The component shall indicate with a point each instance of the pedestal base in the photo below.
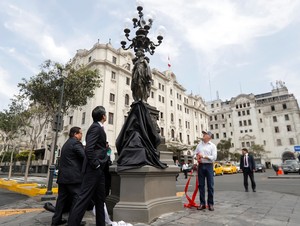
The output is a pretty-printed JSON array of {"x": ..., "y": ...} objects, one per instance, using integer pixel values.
[{"x": 146, "y": 193}]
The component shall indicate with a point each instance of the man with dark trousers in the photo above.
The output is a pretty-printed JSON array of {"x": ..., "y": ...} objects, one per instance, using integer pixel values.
[
  {"x": 247, "y": 165},
  {"x": 93, "y": 185},
  {"x": 206, "y": 154},
  {"x": 69, "y": 174}
]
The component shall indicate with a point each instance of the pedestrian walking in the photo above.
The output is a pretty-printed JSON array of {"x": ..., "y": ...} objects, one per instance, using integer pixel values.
[
  {"x": 247, "y": 165},
  {"x": 185, "y": 168},
  {"x": 206, "y": 154},
  {"x": 93, "y": 185},
  {"x": 69, "y": 174}
]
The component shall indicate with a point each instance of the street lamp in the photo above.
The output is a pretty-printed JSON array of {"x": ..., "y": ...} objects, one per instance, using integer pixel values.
[
  {"x": 58, "y": 122},
  {"x": 141, "y": 74}
]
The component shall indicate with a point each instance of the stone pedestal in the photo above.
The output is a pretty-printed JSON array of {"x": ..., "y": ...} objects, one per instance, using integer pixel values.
[{"x": 146, "y": 193}]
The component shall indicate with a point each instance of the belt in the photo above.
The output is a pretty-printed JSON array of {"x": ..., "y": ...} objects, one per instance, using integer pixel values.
[{"x": 205, "y": 163}]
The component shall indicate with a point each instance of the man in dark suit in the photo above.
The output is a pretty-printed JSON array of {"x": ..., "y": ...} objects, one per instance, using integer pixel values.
[
  {"x": 69, "y": 174},
  {"x": 247, "y": 165},
  {"x": 93, "y": 185}
]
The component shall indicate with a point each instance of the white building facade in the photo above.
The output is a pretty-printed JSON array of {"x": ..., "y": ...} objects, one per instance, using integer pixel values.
[
  {"x": 182, "y": 117},
  {"x": 269, "y": 119}
]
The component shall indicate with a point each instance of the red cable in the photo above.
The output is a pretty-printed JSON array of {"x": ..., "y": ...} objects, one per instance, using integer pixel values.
[{"x": 191, "y": 200}]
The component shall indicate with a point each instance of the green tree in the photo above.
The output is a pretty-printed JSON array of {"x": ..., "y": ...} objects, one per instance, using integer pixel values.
[
  {"x": 45, "y": 89},
  {"x": 258, "y": 150},
  {"x": 11, "y": 122},
  {"x": 223, "y": 146},
  {"x": 23, "y": 156}
]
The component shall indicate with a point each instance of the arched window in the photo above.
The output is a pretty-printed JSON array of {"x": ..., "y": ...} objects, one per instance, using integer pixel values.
[
  {"x": 172, "y": 133},
  {"x": 172, "y": 117},
  {"x": 126, "y": 99}
]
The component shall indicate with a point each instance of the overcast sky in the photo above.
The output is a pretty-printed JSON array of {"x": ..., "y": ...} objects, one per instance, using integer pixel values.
[{"x": 223, "y": 46}]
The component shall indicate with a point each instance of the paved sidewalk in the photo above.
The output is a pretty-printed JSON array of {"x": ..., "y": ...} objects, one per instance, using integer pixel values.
[{"x": 231, "y": 209}]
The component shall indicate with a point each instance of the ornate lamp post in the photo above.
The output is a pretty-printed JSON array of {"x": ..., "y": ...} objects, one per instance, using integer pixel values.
[
  {"x": 139, "y": 171},
  {"x": 141, "y": 75}
]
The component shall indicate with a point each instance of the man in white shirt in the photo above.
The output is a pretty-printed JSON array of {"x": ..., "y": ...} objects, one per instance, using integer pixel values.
[
  {"x": 185, "y": 167},
  {"x": 206, "y": 154}
]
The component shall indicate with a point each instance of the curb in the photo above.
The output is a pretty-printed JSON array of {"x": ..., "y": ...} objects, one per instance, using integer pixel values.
[
  {"x": 284, "y": 177},
  {"x": 29, "y": 189}
]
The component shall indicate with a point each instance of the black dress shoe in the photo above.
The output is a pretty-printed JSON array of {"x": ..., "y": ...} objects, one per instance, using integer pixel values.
[
  {"x": 49, "y": 206},
  {"x": 201, "y": 207},
  {"x": 246, "y": 190},
  {"x": 211, "y": 208},
  {"x": 62, "y": 221}
]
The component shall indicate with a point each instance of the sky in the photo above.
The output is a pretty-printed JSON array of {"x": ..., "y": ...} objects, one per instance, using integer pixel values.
[{"x": 216, "y": 48}]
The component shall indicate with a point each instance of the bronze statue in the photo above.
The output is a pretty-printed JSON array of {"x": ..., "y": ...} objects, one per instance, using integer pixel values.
[{"x": 141, "y": 77}]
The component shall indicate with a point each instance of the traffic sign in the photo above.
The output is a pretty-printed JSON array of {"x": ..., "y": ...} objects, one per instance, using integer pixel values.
[{"x": 297, "y": 148}]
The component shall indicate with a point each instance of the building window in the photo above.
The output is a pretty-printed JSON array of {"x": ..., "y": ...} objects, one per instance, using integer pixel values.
[
  {"x": 274, "y": 119},
  {"x": 244, "y": 113},
  {"x": 161, "y": 115},
  {"x": 248, "y": 112},
  {"x": 90, "y": 59},
  {"x": 239, "y": 113},
  {"x": 262, "y": 130},
  {"x": 114, "y": 60},
  {"x": 248, "y": 144},
  {"x": 179, "y": 121},
  {"x": 272, "y": 108},
  {"x": 259, "y": 111},
  {"x": 278, "y": 142},
  {"x": 162, "y": 131},
  {"x": 180, "y": 137},
  {"x": 224, "y": 135},
  {"x": 288, "y": 128},
  {"x": 217, "y": 136},
  {"x": 241, "y": 123},
  {"x": 163, "y": 99},
  {"x": 245, "y": 123},
  {"x": 110, "y": 118},
  {"x": 260, "y": 120},
  {"x": 112, "y": 97},
  {"x": 286, "y": 117},
  {"x": 223, "y": 125},
  {"x": 152, "y": 94},
  {"x": 243, "y": 144},
  {"x": 216, "y": 126},
  {"x": 284, "y": 106},
  {"x": 211, "y": 127},
  {"x": 127, "y": 81},
  {"x": 249, "y": 122},
  {"x": 70, "y": 120},
  {"x": 188, "y": 139},
  {"x": 172, "y": 117},
  {"x": 172, "y": 133},
  {"x": 265, "y": 143},
  {"x": 276, "y": 129},
  {"x": 126, "y": 99},
  {"x": 128, "y": 66},
  {"x": 171, "y": 92},
  {"x": 83, "y": 118},
  {"x": 113, "y": 75},
  {"x": 292, "y": 142},
  {"x": 171, "y": 103}
]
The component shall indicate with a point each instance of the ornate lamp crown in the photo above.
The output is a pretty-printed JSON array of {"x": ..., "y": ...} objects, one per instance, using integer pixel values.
[{"x": 141, "y": 42}]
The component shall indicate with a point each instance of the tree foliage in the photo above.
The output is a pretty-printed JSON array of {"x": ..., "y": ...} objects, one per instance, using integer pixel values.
[
  {"x": 223, "y": 146},
  {"x": 23, "y": 156},
  {"x": 258, "y": 150},
  {"x": 45, "y": 88}
]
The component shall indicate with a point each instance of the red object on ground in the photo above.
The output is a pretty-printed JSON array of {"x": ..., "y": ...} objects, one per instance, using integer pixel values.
[{"x": 191, "y": 200}]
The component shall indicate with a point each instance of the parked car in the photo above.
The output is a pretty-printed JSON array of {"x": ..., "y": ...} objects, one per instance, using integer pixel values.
[
  {"x": 229, "y": 168},
  {"x": 290, "y": 166},
  {"x": 218, "y": 169},
  {"x": 260, "y": 167},
  {"x": 237, "y": 165}
]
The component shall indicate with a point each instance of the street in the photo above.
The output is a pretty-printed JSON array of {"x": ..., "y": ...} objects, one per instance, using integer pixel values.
[{"x": 234, "y": 182}]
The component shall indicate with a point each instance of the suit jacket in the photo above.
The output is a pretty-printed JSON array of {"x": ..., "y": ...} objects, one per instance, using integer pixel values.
[
  {"x": 70, "y": 163},
  {"x": 251, "y": 162},
  {"x": 95, "y": 149}
]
